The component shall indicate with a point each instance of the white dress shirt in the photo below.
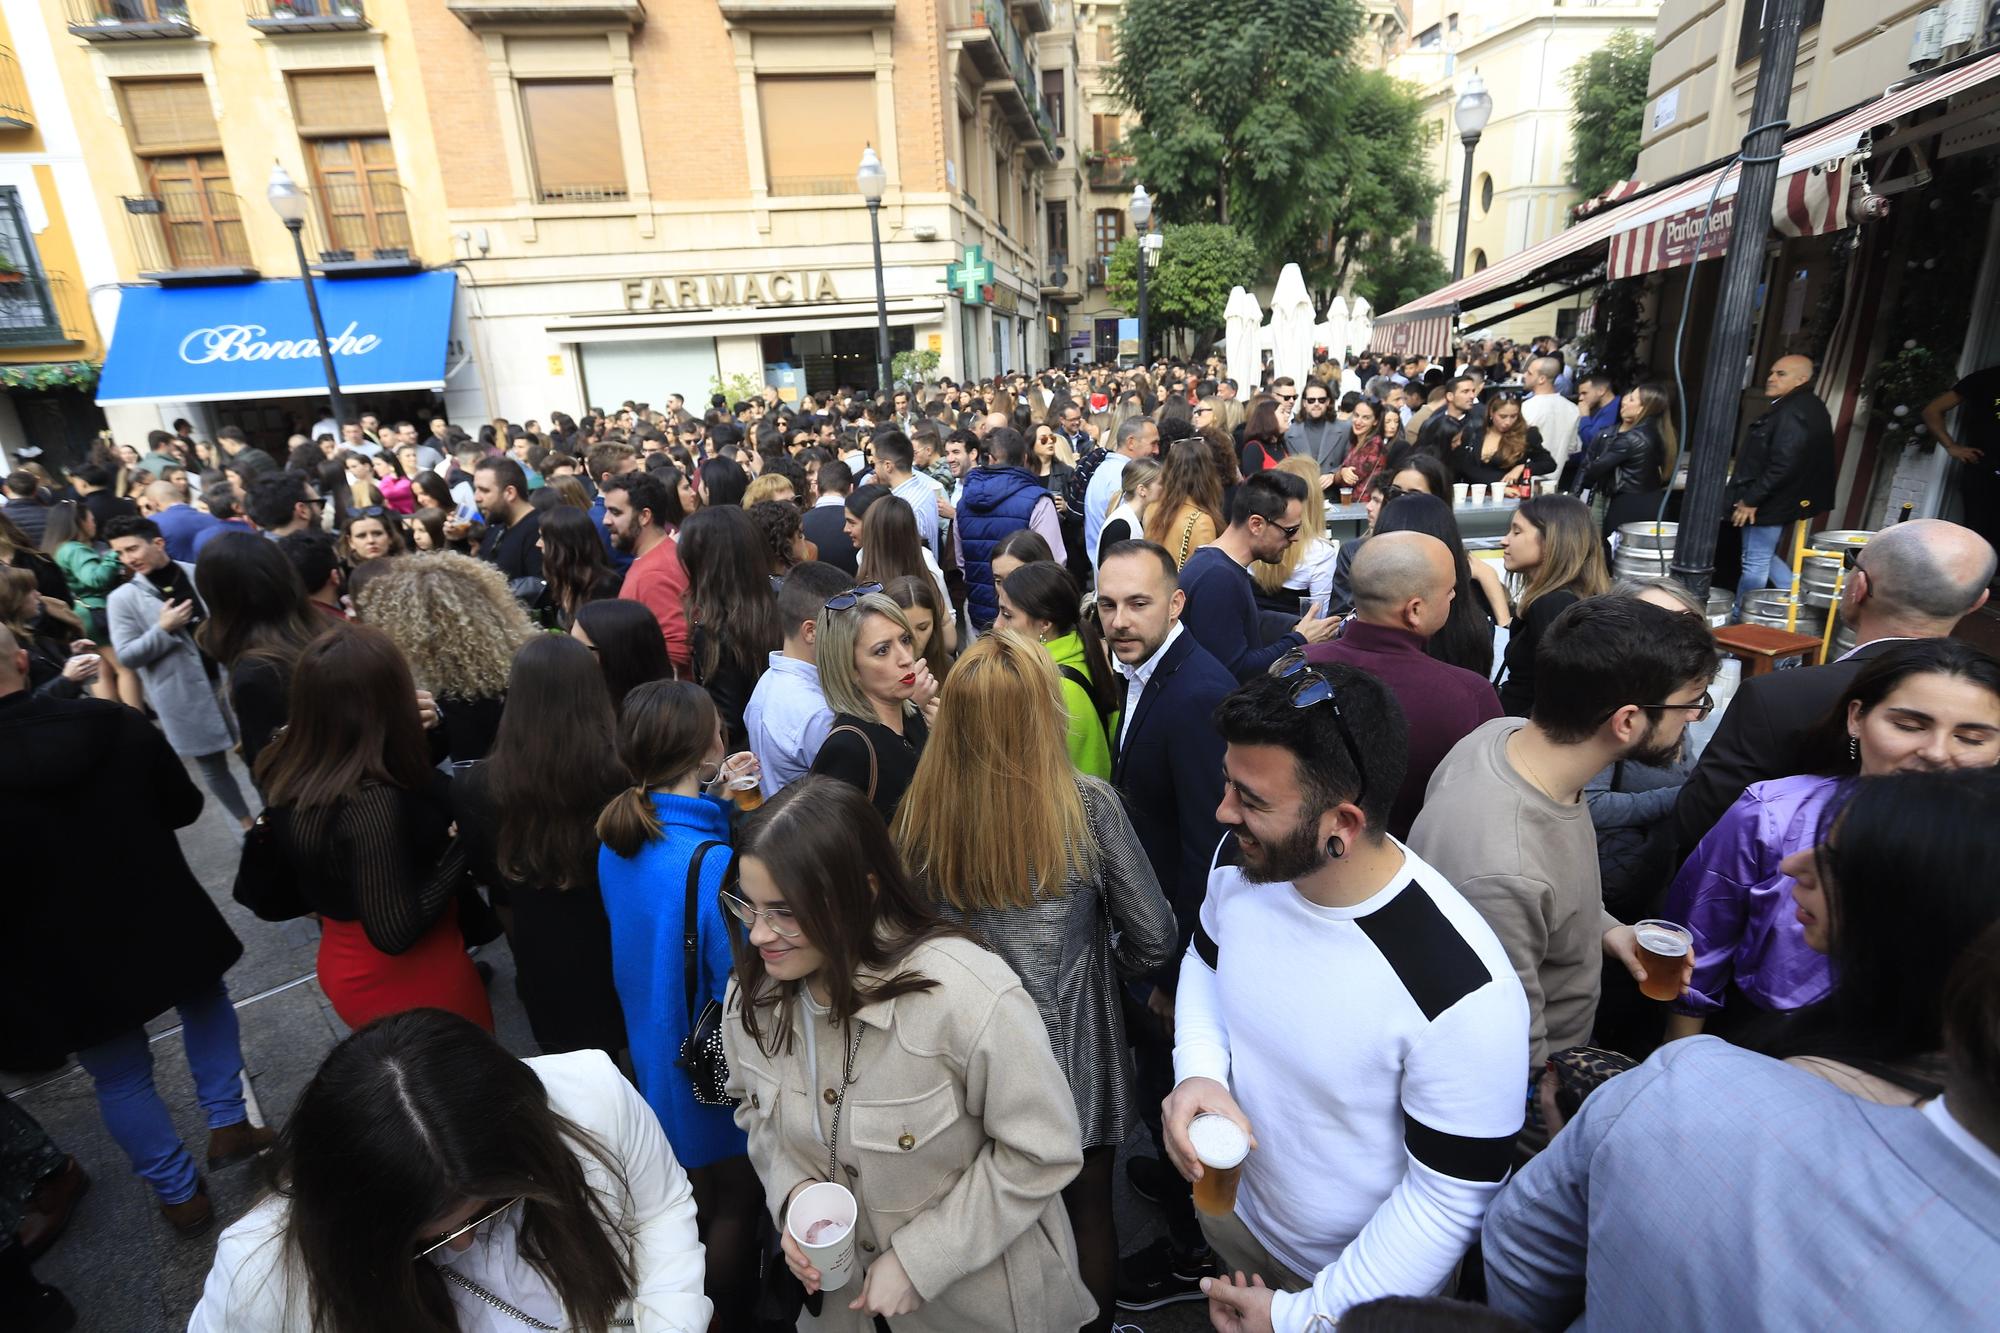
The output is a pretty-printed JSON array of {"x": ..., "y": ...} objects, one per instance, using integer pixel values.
[{"x": 1139, "y": 675}]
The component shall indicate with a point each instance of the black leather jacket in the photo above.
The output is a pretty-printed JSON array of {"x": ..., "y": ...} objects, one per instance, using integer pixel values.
[
  {"x": 1629, "y": 462},
  {"x": 1785, "y": 468}
]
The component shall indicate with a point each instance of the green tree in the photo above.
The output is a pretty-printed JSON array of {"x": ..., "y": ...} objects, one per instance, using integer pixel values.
[
  {"x": 1607, "y": 91},
  {"x": 1397, "y": 273},
  {"x": 1252, "y": 113},
  {"x": 1199, "y": 263}
]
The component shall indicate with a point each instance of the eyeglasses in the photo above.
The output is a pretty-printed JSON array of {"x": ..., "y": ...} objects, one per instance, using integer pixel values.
[
  {"x": 1319, "y": 399},
  {"x": 1701, "y": 707},
  {"x": 1204, "y": 411},
  {"x": 440, "y": 1242},
  {"x": 782, "y": 921},
  {"x": 1286, "y": 397},
  {"x": 843, "y": 601},
  {"x": 1310, "y": 687},
  {"x": 1291, "y": 531}
]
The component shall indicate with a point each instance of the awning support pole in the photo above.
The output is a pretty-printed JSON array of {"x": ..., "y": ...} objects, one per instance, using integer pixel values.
[{"x": 1735, "y": 314}]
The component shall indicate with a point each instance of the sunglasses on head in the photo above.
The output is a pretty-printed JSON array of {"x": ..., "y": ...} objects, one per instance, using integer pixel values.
[
  {"x": 843, "y": 601},
  {"x": 1310, "y": 688}
]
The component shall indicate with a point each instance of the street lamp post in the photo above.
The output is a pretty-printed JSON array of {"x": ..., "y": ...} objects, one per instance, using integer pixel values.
[
  {"x": 1142, "y": 214},
  {"x": 290, "y": 205},
  {"x": 1474, "y": 109},
  {"x": 872, "y": 179}
]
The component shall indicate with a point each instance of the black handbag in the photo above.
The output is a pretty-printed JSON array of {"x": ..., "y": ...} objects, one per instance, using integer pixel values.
[
  {"x": 265, "y": 881},
  {"x": 701, "y": 1050}
]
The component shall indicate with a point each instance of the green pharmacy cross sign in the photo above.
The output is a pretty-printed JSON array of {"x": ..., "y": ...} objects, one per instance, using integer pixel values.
[{"x": 970, "y": 278}]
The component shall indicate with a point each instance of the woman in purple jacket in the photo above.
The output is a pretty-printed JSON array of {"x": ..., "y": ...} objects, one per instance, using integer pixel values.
[{"x": 1924, "y": 705}]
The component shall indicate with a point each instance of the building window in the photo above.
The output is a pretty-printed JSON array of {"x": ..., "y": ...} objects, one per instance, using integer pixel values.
[
  {"x": 1052, "y": 99},
  {"x": 1431, "y": 38},
  {"x": 172, "y": 130},
  {"x": 1104, "y": 133},
  {"x": 814, "y": 130},
  {"x": 573, "y": 141},
  {"x": 1107, "y": 43},
  {"x": 1108, "y": 228},
  {"x": 1058, "y": 237},
  {"x": 1750, "y": 40},
  {"x": 1478, "y": 260},
  {"x": 353, "y": 164},
  {"x": 1485, "y": 193},
  {"x": 1003, "y": 193},
  {"x": 28, "y": 313}
]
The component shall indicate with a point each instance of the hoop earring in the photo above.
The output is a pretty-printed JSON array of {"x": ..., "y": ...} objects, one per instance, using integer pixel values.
[{"x": 1335, "y": 848}]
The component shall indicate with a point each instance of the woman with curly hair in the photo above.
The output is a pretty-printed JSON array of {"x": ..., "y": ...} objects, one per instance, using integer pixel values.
[
  {"x": 783, "y": 530},
  {"x": 459, "y": 627}
]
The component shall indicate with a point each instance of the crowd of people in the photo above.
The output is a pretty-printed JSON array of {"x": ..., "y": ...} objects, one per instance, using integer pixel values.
[{"x": 918, "y": 801}]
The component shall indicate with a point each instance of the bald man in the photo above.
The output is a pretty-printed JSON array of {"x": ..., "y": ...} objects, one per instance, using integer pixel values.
[
  {"x": 1404, "y": 585},
  {"x": 181, "y": 523},
  {"x": 1914, "y": 580},
  {"x": 1783, "y": 478}
]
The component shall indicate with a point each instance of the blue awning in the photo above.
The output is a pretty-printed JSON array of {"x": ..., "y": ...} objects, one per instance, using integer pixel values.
[{"x": 255, "y": 340}]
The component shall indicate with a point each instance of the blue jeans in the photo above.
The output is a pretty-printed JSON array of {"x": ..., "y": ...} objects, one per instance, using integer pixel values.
[
  {"x": 122, "y": 1069},
  {"x": 1765, "y": 560}
]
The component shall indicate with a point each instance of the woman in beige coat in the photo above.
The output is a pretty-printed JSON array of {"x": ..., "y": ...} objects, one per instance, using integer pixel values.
[{"x": 873, "y": 1045}]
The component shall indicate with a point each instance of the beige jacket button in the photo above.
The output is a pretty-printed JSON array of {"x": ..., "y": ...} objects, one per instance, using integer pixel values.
[
  {"x": 852, "y": 1173},
  {"x": 907, "y": 1142},
  {"x": 831, "y": 1096},
  {"x": 868, "y": 1245},
  {"x": 754, "y": 1103}
]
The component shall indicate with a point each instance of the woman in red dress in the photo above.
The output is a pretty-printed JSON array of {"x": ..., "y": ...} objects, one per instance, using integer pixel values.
[{"x": 365, "y": 821}]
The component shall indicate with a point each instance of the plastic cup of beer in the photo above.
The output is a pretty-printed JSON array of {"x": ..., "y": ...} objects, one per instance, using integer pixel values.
[
  {"x": 1221, "y": 1144},
  {"x": 821, "y": 1220},
  {"x": 739, "y": 779},
  {"x": 1663, "y": 952},
  {"x": 1459, "y": 491}
]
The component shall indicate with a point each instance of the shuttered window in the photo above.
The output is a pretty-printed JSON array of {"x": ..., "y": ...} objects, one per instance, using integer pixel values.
[
  {"x": 168, "y": 116},
  {"x": 573, "y": 138},
  {"x": 814, "y": 130},
  {"x": 338, "y": 104}
]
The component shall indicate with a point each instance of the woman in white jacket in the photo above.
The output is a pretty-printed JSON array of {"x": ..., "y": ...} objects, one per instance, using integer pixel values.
[{"x": 428, "y": 1180}]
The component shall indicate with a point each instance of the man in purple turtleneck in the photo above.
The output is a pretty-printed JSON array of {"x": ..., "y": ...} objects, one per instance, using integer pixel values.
[{"x": 1403, "y": 585}]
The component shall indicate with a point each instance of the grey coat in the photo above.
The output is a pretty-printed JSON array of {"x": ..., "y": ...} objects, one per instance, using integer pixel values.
[
  {"x": 191, "y": 708},
  {"x": 1327, "y": 446}
]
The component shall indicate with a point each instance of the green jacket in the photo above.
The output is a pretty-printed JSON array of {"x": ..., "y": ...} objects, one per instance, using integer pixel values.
[
  {"x": 91, "y": 573},
  {"x": 1089, "y": 739}
]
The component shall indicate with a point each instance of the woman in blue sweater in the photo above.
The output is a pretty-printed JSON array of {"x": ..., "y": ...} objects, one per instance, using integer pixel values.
[{"x": 664, "y": 837}]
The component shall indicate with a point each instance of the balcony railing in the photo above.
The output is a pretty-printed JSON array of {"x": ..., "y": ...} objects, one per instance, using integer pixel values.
[
  {"x": 1109, "y": 172},
  {"x": 789, "y": 186},
  {"x": 1034, "y": 13},
  {"x": 584, "y": 194},
  {"x": 356, "y": 229},
  {"x": 14, "y": 111},
  {"x": 37, "y": 310},
  {"x": 127, "y": 20},
  {"x": 983, "y": 29},
  {"x": 189, "y": 236},
  {"x": 279, "y": 16}
]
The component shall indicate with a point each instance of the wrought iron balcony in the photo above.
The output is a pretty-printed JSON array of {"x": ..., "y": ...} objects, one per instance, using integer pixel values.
[
  {"x": 188, "y": 236},
  {"x": 128, "y": 20},
  {"x": 355, "y": 230},
  {"x": 38, "y": 310},
  {"x": 14, "y": 111},
  {"x": 281, "y": 16},
  {"x": 1110, "y": 171}
]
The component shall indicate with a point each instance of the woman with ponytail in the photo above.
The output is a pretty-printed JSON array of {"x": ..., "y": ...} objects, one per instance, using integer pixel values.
[{"x": 666, "y": 839}]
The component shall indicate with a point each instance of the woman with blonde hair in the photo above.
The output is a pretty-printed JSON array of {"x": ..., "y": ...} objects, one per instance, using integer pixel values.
[
  {"x": 1306, "y": 567},
  {"x": 770, "y": 486},
  {"x": 459, "y": 628},
  {"x": 1053, "y": 879},
  {"x": 1187, "y": 513},
  {"x": 1553, "y": 545},
  {"x": 1632, "y": 469},
  {"x": 881, "y": 693},
  {"x": 1138, "y": 488}
]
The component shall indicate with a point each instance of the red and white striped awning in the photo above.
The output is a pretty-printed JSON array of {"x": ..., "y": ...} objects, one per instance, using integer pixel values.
[
  {"x": 1429, "y": 335},
  {"x": 1616, "y": 194},
  {"x": 1810, "y": 199}
]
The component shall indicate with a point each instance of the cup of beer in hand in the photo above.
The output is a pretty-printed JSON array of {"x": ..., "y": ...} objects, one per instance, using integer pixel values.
[
  {"x": 1221, "y": 1145},
  {"x": 1663, "y": 952}
]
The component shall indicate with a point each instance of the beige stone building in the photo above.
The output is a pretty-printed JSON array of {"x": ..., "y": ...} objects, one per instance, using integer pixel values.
[
  {"x": 661, "y": 197},
  {"x": 1522, "y": 167}
]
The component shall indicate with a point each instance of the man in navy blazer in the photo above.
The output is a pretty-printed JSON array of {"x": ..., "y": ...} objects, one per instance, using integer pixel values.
[{"x": 1167, "y": 766}]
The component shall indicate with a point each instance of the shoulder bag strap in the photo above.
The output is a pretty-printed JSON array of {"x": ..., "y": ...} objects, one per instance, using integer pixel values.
[
  {"x": 690, "y": 936},
  {"x": 871, "y": 753},
  {"x": 1187, "y": 534}
]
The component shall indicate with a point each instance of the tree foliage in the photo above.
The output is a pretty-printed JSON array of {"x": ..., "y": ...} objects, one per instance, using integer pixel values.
[
  {"x": 1199, "y": 263},
  {"x": 1252, "y": 113},
  {"x": 1607, "y": 91},
  {"x": 1397, "y": 273}
]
